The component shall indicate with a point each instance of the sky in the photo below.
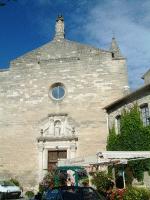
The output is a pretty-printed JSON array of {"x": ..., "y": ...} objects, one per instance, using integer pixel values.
[{"x": 28, "y": 24}]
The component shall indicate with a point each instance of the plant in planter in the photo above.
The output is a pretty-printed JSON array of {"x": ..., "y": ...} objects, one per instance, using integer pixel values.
[
  {"x": 85, "y": 182},
  {"x": 29, "y": 194},
  {"x": 82, "y": 173},
  {"x": 102, "y": 181}
]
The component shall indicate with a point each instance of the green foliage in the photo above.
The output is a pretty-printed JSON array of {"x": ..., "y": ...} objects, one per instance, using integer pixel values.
[
  {"x": 101, "y": 180},
  {"x": 41, "y": 188},
  {"x": 136, "y": 193},
  {"x": 85, "y": 181},
  {"x": 111, "y": 142},
  {"x": 133, "y": 137},
  {"x": 118, "y": 196},
  {"x": 47, "y": 182},
  {"x": 29, "y": 194},
  {"x": 62, "y": 178},
  {"x": 128, "y": 176},
  {"x": 15, "y": 181}
]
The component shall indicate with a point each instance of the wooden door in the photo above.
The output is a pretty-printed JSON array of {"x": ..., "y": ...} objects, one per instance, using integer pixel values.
[{"x": 53, "y": 157}]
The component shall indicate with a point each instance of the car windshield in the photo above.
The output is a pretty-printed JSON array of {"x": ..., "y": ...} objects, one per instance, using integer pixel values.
[{"x": 6, "y": 183}]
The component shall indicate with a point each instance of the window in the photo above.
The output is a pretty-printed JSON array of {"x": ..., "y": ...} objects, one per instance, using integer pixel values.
[
  {"x": 145, "y": 115},
  {"x": 57, "y": 91}
]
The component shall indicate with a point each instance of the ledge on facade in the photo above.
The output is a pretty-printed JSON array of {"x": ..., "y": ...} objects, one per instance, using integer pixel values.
[
  {"x": 4, "y": 70},
  {"x": 58, "y": 114},
  {"x": 61, "y": 138},
  {"x": 59, "y": 59},
  {"x": 119, "y": 58}
]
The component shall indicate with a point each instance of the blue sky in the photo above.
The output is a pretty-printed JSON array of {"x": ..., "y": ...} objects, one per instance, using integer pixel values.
[{"x": 28, "y": 24}]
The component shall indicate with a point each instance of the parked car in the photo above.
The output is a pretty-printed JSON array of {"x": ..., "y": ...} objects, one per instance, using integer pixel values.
[
  {"x": 8, "y": 190},
  {"x": 72, "y": 193}
]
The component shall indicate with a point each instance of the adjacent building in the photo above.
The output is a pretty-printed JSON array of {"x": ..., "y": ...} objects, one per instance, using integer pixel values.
[{"x": 141, "y": 97}]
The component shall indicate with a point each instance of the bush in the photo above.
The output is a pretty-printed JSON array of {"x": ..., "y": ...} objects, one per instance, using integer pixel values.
[
  {"x": 29, "y": 194},
  {"x": 47, "y": 183},
  {"x": 102, "y": 181},
  {"x": 136, "y": 193},
  {"x": 85, "y": 181},
  {"x": 15, "y": 181},
  {"x": 62, "y": 178},
  {"x": 118, "y": 195},
  {"x": 41, "y": 188}
]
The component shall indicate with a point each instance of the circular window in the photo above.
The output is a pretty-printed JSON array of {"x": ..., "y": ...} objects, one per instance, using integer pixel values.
[{"x": 57, "y": 91}]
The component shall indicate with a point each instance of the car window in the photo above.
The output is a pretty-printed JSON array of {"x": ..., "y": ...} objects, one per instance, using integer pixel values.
[
  {"x": 90, "y": 194},
  {"x": 54, "y": 191},
  {"x": 72, "y": 194},
  {"x": 6, "y": 183}
]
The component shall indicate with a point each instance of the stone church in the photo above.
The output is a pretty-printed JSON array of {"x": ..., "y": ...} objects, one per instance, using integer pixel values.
[{"x": 51, "y": 105}]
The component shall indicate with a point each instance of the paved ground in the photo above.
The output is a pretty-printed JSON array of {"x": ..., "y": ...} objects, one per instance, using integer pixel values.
[{"x": 21, "y": 198}]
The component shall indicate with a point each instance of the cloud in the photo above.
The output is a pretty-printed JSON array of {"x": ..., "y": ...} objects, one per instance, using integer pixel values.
[
  {"x": 93, "y": 22},
  {"x": 131, "y": 35},
  {"x": 51, "y": 2},
  {"x": 44, "y": 2}
]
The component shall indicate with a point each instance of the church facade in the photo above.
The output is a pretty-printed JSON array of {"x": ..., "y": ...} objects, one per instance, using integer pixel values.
[{"x": 52, "y": 101}]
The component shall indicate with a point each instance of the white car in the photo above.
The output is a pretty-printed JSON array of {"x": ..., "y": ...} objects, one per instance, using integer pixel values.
[{"x": 9, "y": 189}]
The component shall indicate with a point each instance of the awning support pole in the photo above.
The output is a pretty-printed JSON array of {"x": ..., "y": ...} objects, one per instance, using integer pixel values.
[{"x": 113, "y": 175}]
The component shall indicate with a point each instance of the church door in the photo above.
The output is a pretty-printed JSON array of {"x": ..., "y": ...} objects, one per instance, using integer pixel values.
[{"x": 53, "y": 157}]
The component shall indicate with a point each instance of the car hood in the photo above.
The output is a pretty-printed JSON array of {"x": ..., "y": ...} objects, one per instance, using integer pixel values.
[{"x": 9, "y": 188}]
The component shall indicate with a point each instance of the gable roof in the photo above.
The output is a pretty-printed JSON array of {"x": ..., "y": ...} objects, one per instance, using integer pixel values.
[
  {"x": 63, "y": 47},
  {"x": 130, "y": 97},
  {"x": 148, "y": 72}
]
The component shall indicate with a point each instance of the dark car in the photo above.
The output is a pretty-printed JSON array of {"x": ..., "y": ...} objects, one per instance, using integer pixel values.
[{"x": 72, "y": 193}]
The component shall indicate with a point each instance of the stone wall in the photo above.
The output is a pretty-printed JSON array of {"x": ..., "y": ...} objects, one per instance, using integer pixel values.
[{"x": 92, "y": 79}]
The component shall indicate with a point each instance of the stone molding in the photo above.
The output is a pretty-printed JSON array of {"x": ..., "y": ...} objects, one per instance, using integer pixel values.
[{"x": 63, "y": 138}]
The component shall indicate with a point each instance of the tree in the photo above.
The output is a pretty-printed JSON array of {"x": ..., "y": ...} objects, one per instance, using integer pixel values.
[
  {"x": 133, "y": 137},
  {"x": 3, "y": 4}
]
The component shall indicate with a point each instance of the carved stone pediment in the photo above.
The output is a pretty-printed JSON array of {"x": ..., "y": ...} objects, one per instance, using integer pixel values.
[{"x": 56, "y": 126}]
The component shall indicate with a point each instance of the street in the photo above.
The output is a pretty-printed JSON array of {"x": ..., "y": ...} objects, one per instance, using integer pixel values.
[{"x": 22, "y": 198}]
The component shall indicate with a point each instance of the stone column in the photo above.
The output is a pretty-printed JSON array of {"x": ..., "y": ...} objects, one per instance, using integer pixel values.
[
  {"x": 72, "y": 151},
  {"x": 72, "y": 155},
  {"x": 62, "y": 125},
  {"x": 45, "y": 161},
  {"x": 51, "y": 130},
  {"x": 40, "y": 148}
]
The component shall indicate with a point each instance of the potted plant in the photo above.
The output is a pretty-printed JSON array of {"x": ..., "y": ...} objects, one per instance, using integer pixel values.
[
  {"x": 29, "y": 194},
  {"x": 85, "y": 182},
  {"x": 102, "y": 181}
]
